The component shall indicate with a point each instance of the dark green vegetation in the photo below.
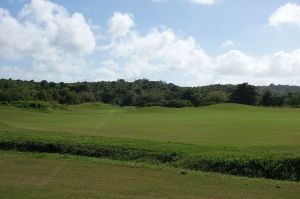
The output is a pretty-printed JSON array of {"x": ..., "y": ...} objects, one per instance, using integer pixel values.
[
  {"x": 144, "y": 93},
  {"x": 27, "y": 175},
  {"x": 232, "y": 139}
]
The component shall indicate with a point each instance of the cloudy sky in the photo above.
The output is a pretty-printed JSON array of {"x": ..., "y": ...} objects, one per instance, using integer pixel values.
[{"x": 186, "y": 42}]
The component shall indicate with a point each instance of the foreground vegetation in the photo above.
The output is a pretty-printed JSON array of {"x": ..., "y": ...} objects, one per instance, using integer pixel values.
[
  {"x": 27, "y": 175},
  {"x": 231, "y": 139},
  {"x": 267, "y": 162}
]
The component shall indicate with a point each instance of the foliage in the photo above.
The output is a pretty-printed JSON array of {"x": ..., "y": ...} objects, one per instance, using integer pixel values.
[
  {"x": 178, "y": 103},
  {"x": 146, "y": 93},
  {"x": 40, "y": 105},
  {"x": 267, "y": 99},
  {"x": 244, "y": 94}
]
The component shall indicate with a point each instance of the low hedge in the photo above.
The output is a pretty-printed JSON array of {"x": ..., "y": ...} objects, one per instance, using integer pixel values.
[
  {"x": 265, "y": 162},
  {"x": 38, "y": 105}
]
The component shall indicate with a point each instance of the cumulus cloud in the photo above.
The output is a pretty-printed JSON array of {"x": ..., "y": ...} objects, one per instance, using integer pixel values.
[
  {"x": 47, "y": 34},
  {"x": 235, "y": 63},
  {"x": 282, "y": 64},
  {"x": 286, "y": 14},
  {"x": 119, "y": 25},
  {"x": 205, "y": 2},
  {"x": 162, "y": 54},
  {"x": 158, "y": 53},
  {"x": 44, "y": 29},
  {"x": 57, "y": 41},
  {"x": 202, "y": 2}
]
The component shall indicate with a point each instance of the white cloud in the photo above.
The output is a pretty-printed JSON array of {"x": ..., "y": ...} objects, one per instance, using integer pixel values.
[
  {"x": 162, "y": 54},
  {"x": 282, "y": 64},
  {"x": 202, "y": 2},
  {"x": 286, "y": 14},
  {"x": 205, "y": 2},
  {"x": 227, "y": 44},
  {"x": 235, "y": 63},
  {"x": 49, "y": 35},
  {"x": 44, "y": 29},
  {"x": 158, "y": 53},
  {"x": 61, "y": 68},
  {"x": 119, "y": 25}
]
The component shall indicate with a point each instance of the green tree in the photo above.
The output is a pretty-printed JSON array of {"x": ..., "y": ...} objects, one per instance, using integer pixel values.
[
  {"x": 128, "y": 99},
  {"x": 68, "y": 97},
  {"x": 293, "y": 99},
  {"x": 267, "y": 99},
  {"x": 216, "y": 97},
  {"x": 244, "y": 94},
  {"x": 177, "y": 103}
]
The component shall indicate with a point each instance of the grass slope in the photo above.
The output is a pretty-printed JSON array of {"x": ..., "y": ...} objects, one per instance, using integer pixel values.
[
  {"x": 223, "y": 125},
  {"x": 26, "y": 175}
]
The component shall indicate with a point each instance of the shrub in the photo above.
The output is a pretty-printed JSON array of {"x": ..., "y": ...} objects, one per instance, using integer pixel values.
[
  {"x": 39, "y": 105},
  {"x": 251, "y": 163},
  {"x": 177, "y": 103}
]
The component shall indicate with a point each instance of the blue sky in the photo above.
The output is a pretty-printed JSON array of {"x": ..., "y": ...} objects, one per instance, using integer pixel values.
[{"x": 187, "y": 42}]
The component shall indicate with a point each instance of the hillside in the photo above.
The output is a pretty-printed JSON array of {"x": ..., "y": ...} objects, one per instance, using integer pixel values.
[{"x": 223, "y": 124}]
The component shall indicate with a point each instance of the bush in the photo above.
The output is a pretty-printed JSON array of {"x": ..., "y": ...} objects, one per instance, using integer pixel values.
[
  {"x": 251, "y": 163},
  {"x": 177, "y": 103},
  {"x": 39, "y": 105}
]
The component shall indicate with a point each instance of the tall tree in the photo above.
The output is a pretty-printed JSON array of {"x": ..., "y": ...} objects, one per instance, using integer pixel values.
[
  {"x": 267, "y": 99},
  {"x": 245, "y": 94}
]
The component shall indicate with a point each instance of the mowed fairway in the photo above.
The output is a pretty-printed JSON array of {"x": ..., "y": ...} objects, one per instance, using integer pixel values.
[
  {"x": 219, "y": 125},
  {"x": 26, "y": 175}
]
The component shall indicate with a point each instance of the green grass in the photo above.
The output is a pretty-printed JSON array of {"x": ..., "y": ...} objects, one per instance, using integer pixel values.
[
  {"x": 267, "y": 162},
  {"x": 227, "y": 138},
  {"x": 32, "y": 175},
  {"x": 219, "y": 125}
]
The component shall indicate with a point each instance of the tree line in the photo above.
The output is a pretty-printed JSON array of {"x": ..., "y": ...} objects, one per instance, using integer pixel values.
[{"x": 144, "y": 93}]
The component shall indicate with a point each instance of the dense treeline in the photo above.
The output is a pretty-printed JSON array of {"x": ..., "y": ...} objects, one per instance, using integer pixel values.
[{"x": 146, "y": 93}]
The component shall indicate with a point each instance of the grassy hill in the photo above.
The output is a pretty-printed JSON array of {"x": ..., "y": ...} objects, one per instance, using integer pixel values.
[{"x": 218, "y": 125}]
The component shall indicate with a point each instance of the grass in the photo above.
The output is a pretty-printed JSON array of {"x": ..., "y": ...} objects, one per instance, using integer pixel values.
[
  {"x": 219, "y": 125},
  {"x": 232, "y": 139},
  {"x": 33, "y": 175},
  {"x": 268, "y": 162}
]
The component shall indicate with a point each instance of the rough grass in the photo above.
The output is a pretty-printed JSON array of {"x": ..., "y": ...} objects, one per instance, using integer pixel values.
[{"x": 34, "y": 175}]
